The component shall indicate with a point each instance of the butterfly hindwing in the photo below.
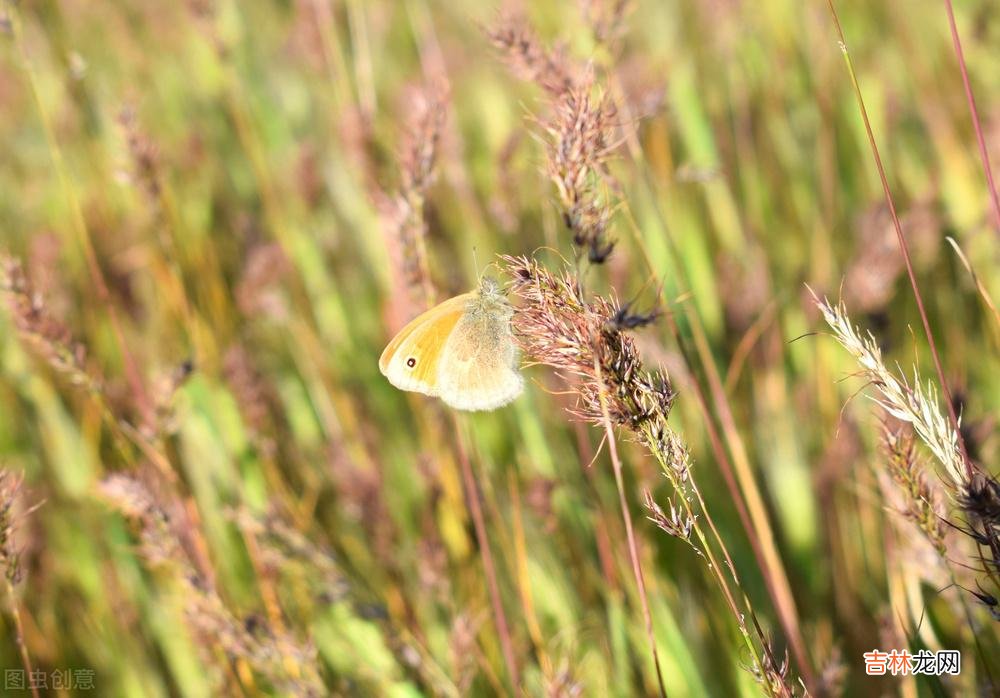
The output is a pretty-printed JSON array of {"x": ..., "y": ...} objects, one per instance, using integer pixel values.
[{"x": 478, "y": 367}]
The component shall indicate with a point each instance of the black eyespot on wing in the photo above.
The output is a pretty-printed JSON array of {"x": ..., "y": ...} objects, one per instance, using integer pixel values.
[{"x": 411, "y": 362}]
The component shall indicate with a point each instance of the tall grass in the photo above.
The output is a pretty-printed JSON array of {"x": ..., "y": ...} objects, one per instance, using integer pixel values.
[{"x": 214, "y": 215}]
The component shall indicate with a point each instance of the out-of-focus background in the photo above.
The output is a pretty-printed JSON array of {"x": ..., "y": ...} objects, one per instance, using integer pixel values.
[{"x": 213, "y": 214}]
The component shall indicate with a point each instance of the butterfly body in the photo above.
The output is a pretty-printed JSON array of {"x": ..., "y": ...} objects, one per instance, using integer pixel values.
[{"x": 462, "y": 351}]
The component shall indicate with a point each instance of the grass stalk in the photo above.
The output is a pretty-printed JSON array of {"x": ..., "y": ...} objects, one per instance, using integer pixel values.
[
  {"x": 479, "y": 524},
  {"x": 633, "y": 549},
  {"x": 524, "y": 577},
  {"x": 903, "y": 247},
  {"x": 22, "y": 647},
  {"x": 970, "y": 98},
  {"x": 10, "y": 562},
  {"x": 142, "y": 401},
  {"x": 743, "y": 488}
]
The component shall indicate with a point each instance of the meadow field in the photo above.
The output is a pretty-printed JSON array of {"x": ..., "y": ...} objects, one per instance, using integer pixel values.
[{"x": 752, "y": 250}]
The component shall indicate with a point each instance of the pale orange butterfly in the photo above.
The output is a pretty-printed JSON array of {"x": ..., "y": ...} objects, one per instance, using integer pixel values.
[{"x": 462, "y": 351}]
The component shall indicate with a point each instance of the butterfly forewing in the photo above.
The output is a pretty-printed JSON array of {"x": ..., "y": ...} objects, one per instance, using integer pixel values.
[{"x": 410, "y": 362}]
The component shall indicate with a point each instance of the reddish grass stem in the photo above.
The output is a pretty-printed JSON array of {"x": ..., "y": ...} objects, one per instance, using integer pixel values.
[
  {"x": 755, "y": 522},
  {"x": 19, "y": 636},
  {"x": 479, "y": 523},
  {"x": 984, "y": 154},
  {"x": 633, "y": 550},
  {"x": 903, "y": 247}
]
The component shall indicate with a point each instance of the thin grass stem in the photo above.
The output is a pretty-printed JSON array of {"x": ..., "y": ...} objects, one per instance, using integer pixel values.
[
  {"x": 903, "y": 247},
  {"x": 970, "y": 98},
  {"x": 633, "y": 550},
  {"x": 479, "y": 524}
]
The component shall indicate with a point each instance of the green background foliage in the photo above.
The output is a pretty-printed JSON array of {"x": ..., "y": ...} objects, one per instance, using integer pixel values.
[{"x": 226, "y": 167}]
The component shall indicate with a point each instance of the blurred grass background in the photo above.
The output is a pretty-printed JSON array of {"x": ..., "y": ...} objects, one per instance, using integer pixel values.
[{"x": 197, "y": 191}]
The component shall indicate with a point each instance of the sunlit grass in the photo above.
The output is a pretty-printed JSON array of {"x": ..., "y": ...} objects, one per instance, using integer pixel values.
[{"x": 217, "y": 214}]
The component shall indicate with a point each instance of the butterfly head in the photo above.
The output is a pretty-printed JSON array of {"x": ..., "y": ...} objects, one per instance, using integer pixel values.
[
  {"x": 490, "y": 287},
  {"x": 490, "y": 301}
]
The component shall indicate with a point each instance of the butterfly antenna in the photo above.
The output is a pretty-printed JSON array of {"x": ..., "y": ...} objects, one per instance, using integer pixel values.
[
  {"x": 481, "y": 273},
  {"x": 475, "y": 262}
]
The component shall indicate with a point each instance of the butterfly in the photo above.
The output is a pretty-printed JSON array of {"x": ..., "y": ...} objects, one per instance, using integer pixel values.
[{"x": 462, "y": 351}]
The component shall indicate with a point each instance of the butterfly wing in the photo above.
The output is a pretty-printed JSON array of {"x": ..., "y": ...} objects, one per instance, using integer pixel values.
[
  {"x": 410, "y": 362},
  {"x": 478, "y": 368}
]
